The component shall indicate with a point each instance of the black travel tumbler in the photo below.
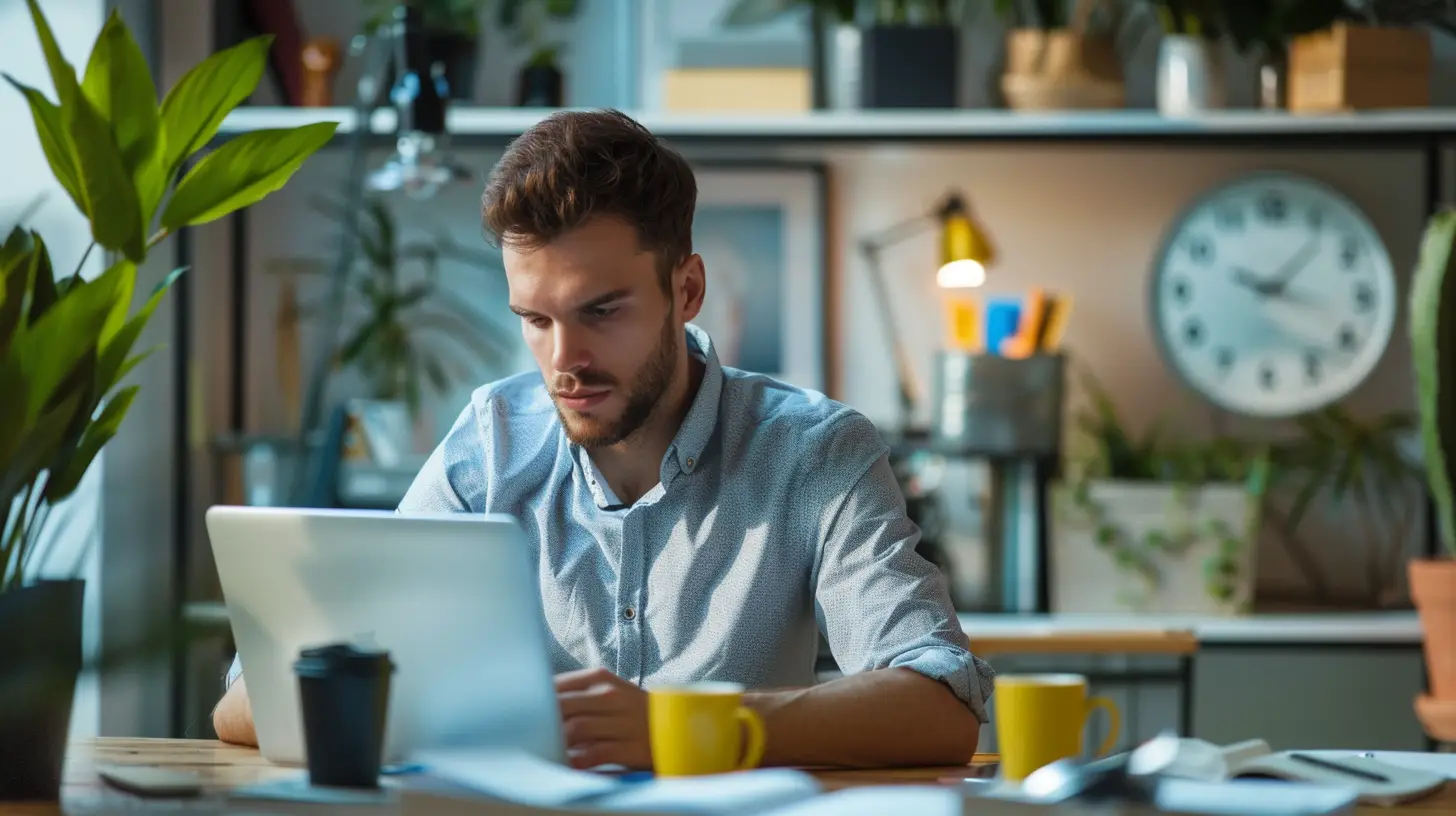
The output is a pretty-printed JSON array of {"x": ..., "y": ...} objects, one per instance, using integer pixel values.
[{"x": 343, "y": 694}]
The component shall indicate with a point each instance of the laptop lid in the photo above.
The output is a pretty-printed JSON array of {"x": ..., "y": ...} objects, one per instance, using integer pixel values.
[{"x": 454, "y": 598}]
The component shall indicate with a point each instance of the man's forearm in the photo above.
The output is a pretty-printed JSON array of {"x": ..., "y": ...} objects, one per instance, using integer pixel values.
[
  {"x": 232, "y": 719},
  {"x": 886, "y": 718}
]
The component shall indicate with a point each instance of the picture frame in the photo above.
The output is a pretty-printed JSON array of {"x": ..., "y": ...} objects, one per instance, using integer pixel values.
[{"x": 761, "y": 231}]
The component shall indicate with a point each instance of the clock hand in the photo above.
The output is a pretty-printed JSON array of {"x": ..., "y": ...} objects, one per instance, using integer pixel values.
[
  {"x": 1247, "y": 277},
  {"x": 1293, "y": 266}
]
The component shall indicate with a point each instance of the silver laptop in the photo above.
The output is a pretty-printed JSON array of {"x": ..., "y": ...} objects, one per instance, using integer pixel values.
[{"x": 454, "y": 598}]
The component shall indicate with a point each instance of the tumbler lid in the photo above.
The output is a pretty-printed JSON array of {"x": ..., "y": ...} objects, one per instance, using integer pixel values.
[{"x": 341, "y": 659}]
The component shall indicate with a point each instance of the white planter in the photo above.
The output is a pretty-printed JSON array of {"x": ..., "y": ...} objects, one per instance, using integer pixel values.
[
  {"x": 842, "y": 66},
  {"x": 1190, "y": 76},
  {"x": 1157, "y": 549}
]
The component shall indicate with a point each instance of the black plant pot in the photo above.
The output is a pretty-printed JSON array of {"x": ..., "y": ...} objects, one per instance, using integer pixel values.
[
  {"x": 457, "y": 53},
  {"x": 905, "y": 66},
  {"x": 540, "y": 86},
  {"x": 40, "y": 657}
]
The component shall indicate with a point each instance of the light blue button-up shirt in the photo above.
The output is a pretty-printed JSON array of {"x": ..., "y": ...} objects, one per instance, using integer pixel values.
[{"x": 777, "y": 519}]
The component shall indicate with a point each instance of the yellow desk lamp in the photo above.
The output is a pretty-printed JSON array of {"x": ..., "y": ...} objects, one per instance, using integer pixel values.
[{"x": 965, "y": 255}]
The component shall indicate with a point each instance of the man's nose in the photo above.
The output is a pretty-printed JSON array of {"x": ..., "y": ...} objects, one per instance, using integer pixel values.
[{"x": 570, "y": 352}]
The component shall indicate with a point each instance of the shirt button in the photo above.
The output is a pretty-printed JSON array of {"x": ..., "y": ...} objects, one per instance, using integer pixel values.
[
  {"x": 690, "y": 461},
  {"x": 629, "y": 613}
]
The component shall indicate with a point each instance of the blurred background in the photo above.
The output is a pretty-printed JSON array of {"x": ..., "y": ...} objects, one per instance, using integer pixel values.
[{"x": 972, "y": 221}]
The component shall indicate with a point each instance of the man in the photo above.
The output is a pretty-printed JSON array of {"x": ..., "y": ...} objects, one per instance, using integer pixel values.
[{"x": 691, "y": 522}]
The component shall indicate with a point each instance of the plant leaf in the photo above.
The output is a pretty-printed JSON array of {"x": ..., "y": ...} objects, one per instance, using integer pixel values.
[
  {"x": 102, "y": 429},
  {"x": 51, "y": 349},
  {"x": 195, "y": 108},
  {"x": 119, "y": 84},
  {"x": 242, "y": 172},
  {"x": 113, "y": 362},
  {"x": 43, "y": 281},
  {"x": 55, "y": 142},
  {"x": 111, "y": 198},
  {"x": 15, "y": 274},
  {"x": 36, "y": 445}
]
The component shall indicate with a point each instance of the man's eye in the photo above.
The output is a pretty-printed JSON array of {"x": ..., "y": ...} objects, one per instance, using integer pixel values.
[
  {"x": 538, "y": 322},
  {"x": 599, "y": 312}
]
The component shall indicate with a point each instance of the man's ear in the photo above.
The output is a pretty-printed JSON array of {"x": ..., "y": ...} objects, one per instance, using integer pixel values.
[{"x": 689, "y": 285}]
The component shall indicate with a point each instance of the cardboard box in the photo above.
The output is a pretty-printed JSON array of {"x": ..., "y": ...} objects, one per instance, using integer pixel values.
[
  {"x": 709, "y": 90},
  {"x": 1359, "y": 68}
]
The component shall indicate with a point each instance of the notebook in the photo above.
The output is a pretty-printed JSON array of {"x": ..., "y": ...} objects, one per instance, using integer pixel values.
[{"x": 1375, "y": 781}]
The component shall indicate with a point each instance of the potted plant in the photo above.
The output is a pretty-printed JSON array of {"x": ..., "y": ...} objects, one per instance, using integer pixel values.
[
  {"x": 907, "y": 51},
  {"x": 540, "y": 83},
  {"x": 1059, "y": 58},
  {"x": 1190, "y": 73},
  {"x": 835, "y": 37},
  {"x": 1264, "y": 28},
  {"x": 1153, "y": 524},
  {"x": 408, "y": 333},
  {"x": 66, "y": 342},
  {"x": 451, "y": 37},
  {"x": 1433, "y": 580}
]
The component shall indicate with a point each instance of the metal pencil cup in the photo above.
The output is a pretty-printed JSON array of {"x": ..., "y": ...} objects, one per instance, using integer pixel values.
[{"x": 989, "y": 405}]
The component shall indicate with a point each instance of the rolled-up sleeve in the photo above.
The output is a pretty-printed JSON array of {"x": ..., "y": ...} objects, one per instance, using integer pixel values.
[{"x": 879, "y": 603}]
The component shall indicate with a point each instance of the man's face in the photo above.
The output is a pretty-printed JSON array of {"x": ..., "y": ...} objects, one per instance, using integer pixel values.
[{"x": 605, "y": 335}]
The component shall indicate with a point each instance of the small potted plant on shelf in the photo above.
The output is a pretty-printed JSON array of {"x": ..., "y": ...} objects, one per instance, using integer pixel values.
[
  {"x": 1433, "y": 580},
  {"x": 907, "y": 52},
  {"x": 1060, "y": 57},
  {"x": 451, "y": 37},
  {"x": 66, "y": 342},
  {"x": 541, "y": 83},
  {"x": 1190, "y": 73},
  {"x": 1152, "y": 524}
]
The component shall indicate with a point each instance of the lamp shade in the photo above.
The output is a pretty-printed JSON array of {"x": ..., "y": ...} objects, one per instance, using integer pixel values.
[{"x": 964, "y": 250}]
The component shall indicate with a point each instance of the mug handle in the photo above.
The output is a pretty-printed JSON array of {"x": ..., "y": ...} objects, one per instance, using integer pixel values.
[
  {"x": 753, "y": 749},
  {"x": 1114, "y": 722}
]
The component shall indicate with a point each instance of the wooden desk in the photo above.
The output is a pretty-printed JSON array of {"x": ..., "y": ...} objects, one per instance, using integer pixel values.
[{"x": 225, "y": 766}]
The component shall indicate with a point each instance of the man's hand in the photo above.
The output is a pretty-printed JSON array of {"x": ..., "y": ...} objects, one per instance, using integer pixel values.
[{"x": 604, "y": 720}]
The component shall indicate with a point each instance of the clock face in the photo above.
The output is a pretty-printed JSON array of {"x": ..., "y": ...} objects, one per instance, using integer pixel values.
[{"x": 1273, "y": 296}]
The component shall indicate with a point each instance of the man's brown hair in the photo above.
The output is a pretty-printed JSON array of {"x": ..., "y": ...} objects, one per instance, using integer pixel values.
[{"x": 574, "y": 166}]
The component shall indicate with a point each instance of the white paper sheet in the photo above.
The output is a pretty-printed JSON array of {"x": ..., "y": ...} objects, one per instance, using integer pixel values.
[
  {"x": 919, "y": 800},
  {"x": 516, "y": 776}
]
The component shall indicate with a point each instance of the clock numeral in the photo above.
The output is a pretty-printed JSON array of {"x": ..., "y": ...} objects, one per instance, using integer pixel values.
[
  {"x": 1182, "y": 291},
  {"x": 1312, "y": 366},
  {"x": 1315, "y": 217},
  {"x": 1348, "y": 340},
  {"x": 1267, "y": 379},
  {"x": 1193, "y": 333},
  {"x": 1200, "y": 249},
  {"x": 1364, "y": 297},
  {"x": 1349, "y": 253},
  {"x": 1273, "y": 207},
  {"x": 1224, "y": 358},
  {"x": 1229, "y": 218}
]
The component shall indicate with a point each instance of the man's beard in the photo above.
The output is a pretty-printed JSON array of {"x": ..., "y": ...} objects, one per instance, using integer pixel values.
[{"x": 648, "y": 387}]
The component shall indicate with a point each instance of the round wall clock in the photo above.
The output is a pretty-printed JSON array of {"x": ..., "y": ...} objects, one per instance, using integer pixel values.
[{"x": 1273, "y": 295}]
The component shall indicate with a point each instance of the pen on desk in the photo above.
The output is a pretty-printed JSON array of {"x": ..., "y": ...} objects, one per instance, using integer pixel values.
[{"x": 1335, "y": 766}]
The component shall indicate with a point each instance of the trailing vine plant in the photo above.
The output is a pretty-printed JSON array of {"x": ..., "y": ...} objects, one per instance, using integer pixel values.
[{"x": 1155, "y": 458}]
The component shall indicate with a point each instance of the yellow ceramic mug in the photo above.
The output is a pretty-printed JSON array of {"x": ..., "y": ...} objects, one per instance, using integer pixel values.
[
  {"x": 1040, "y": 718},
  {"x": 702, "y": 728}
]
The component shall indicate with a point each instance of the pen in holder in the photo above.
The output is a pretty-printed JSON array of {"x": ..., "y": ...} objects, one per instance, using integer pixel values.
[{"x": 990, "y": 405}]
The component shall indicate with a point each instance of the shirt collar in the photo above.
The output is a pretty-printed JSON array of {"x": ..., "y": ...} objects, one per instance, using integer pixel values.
[
  {"x": 702, "y": 418},
  {"x": 692, "y": 436}
]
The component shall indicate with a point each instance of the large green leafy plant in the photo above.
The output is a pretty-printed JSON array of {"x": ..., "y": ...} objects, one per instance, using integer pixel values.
[{"x": 66, "y": 343}]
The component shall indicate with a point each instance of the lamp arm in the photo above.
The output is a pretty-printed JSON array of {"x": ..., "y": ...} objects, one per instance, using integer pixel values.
[{"x": 871, "y": 248}]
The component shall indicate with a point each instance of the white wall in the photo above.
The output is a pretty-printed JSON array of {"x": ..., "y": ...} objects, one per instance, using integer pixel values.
[{"x": 73, "y": 537}]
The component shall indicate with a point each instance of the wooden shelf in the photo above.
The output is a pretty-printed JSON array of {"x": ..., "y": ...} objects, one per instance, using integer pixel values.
[{"x": 884, "y": 125}]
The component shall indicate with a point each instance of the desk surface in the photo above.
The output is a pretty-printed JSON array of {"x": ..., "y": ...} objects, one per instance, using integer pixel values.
[{"x": 225, "y": 766}]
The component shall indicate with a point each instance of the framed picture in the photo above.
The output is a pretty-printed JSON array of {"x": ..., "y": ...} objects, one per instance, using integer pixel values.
[{"x": 760, "y": 230}]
